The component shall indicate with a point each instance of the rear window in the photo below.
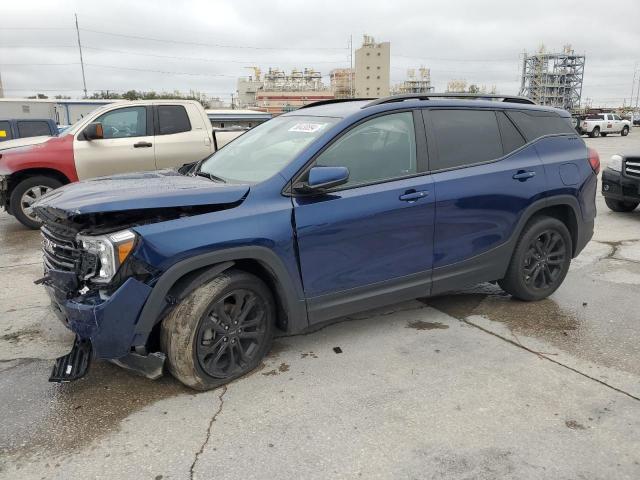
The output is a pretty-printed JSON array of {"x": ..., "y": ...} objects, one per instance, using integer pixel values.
[
  {"x": 172, "y": 119},
  {"x": 465, "y": 137},
  {"x": 538, "y": 124},
  {"x": 512, "y": 139},
  {"x": 5, "y": 131},
  {"x": 33, "y": 128}
]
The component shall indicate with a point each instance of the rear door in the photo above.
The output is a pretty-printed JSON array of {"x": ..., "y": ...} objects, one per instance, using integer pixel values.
[
  {"x": 178, "y": 139},
  {"x": 127, "y": 145},
  {"x": 484, "y": 177},
  {"x": 369, "y": 242}
]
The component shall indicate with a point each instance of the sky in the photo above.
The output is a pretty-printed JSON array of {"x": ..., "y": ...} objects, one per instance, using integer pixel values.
[{"x": 206, "y": 45}]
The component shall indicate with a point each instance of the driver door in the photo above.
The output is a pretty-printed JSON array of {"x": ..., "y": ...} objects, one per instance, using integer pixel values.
[
  {"x": 369, "y": 242},
  {"x": 127, "y": 146}
]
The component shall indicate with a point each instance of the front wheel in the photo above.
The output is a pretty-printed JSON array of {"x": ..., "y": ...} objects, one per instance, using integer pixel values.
[
  {"x": 619, "y": 206},
  {"x": 540, "y": 261},
  {"x": 625, "y": 131},
  {"x": 220, "y": 331},
  {"x": 25, "y": 194}
]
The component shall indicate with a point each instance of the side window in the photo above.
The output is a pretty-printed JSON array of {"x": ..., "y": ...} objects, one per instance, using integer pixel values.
[
  {"x": 5, "y": 131},
  {"x": 172, "y": 119},
  {"x": 511, "y": 137},
  {"x": 33, "y": 129},
  {"x": 616, "y": 117},
  {"x": 538, "y": 124},
  {"x": 465, "y": 137},
  {"x": 378, "y": 149},
  {"x": 124, "y": 122}
]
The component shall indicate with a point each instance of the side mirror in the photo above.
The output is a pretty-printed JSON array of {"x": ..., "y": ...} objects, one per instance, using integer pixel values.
[
  {"x": 322, "y": 178},
  {"x": 93, "y": 131}
]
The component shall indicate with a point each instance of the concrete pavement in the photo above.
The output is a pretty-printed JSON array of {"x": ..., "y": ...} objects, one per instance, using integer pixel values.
[{"x": 471, "y": 385}]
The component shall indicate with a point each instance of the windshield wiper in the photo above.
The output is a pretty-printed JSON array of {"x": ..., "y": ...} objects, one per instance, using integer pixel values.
[{"x": 210, "y": 176}]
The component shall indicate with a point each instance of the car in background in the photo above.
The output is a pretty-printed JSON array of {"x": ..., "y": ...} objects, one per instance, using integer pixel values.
[
  {"x": 11, "y": 129},
  {"x": 621, "y": 183},
  {"x": 329, "y": 210},
  {"x": 119, "y": 137},
  {"x": 602, "y": 124}
]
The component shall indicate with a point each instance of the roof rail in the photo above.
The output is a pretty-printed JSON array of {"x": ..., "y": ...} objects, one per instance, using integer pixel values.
[
  {"x": 332, "y": 100},
  {"x": 467, "y": 96}
]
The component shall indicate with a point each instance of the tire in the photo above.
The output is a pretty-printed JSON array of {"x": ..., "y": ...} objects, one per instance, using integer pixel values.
[
  {"x": 619, "y": 206},
  {"x": 624, "y": 132},
  {"x": 531, "y": 275},
  {"x": 25, "y": 193},
  {"x": 203, "y": 344},
  {"x": 595, "y": 132},
  {"x": 603, "y": 134}
]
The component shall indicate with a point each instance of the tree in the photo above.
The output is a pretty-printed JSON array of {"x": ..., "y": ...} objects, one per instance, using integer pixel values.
[{"x": 473, "y": 88}]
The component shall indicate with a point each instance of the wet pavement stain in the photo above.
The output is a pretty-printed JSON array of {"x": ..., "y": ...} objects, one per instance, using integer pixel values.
[
  {"x": 573, "y": 425},
  {"x": 281, "y": 369},
  {"x": 20, "y": 336},
  {"x": 277, "y": 348},
  {"x": 308, "y": 354},
  {"x": 422, "y": 325},
  {"x": 55, "y": 419},
  {"x": 544, "y": 318}
]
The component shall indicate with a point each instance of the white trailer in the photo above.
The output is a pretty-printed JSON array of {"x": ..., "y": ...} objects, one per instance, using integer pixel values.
[{"x": 25, "y": 108}]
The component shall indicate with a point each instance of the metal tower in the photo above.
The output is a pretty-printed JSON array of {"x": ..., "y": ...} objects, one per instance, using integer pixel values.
[{"x": 553, "y": 79}]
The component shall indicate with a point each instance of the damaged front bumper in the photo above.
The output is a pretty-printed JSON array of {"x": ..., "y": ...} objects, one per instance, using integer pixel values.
[{"x": 108, "y": 323}]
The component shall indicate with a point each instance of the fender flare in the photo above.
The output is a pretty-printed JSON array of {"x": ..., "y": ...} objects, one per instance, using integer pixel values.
[{"x": 188, "y": 274}]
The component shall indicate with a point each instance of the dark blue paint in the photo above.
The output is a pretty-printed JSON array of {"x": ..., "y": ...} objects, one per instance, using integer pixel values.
[{"x": 351, "y": 238}]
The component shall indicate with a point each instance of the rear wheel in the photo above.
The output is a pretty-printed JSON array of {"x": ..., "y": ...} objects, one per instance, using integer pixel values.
[
  {"x": 25, "y": 194},
  {"x": 540, "y": 261},
  {"x": 620, "y": 206},
  {"x": 220, "y": 331},
  {"x": 595, "y": 132},
  {"x": 625, "y": 131}
]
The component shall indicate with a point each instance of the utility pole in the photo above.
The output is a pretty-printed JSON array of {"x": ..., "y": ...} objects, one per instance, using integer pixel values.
[
  {"x": 84, "y": 81},
  {"x": 1, "y": 89}
]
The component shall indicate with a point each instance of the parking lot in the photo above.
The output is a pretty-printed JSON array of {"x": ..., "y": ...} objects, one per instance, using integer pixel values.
[{"x": 471, "y": 385}]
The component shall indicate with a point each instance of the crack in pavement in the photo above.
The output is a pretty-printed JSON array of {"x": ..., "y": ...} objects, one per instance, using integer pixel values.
[
  {"x": 209, "y": 428},
  {"x": 616, "y": 249},
  {"x": 544, "y": 356}
]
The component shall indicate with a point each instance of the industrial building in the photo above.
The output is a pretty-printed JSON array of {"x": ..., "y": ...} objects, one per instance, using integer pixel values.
[
  {"x": 277, "y": 91},
  {"x": 415, "y": 83},
  {"x": 373, "y": 65},
  {"x": 342, "y": 82},
  {"x": 553, "y": 79}
]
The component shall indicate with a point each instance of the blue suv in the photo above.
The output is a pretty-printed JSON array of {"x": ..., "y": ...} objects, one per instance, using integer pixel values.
[{"x": 334, "y": 208}]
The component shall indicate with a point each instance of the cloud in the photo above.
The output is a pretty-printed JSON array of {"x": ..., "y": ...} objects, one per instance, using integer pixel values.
[{"x": 214, "y": 42}]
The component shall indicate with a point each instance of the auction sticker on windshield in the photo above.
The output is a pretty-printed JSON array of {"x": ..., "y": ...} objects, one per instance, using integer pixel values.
[{"x": 307, "y": 127}]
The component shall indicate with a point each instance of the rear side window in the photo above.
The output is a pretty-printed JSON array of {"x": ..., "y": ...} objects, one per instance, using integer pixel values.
[
  {"x": 539, "y": 124},
  {"x": 33, "y": 129},
  {"x": 5, "y": 131},
  {"x": 172, "y": 119},
  {"x": 465, "y": 137},
  {"x": 512, "y": 139}
]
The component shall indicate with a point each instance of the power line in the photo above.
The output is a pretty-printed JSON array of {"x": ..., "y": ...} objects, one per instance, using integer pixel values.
[{"x": 215, "y": 45}]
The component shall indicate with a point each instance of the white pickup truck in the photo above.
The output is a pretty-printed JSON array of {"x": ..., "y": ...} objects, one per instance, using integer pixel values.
[
  {"x": 604, "y": 123},
  {"x": 119, "y": 137}
]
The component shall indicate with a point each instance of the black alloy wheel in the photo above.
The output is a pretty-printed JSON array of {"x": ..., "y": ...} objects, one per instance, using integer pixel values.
[
  {"x": 543, "y": 263},
  {"x": 231, "y": 333}
]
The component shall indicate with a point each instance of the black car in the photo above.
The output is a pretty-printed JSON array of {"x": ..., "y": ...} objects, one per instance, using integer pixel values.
[{"x": 621, "y": 183}]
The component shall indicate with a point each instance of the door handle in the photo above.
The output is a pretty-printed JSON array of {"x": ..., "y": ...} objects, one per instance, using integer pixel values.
[
  {"x": 523, "y": 175},
  {"x": 142, "y": 145},
  {"x": 413, "y": 196}
]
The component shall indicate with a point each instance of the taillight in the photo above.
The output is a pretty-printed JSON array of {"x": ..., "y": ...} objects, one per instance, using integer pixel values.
[{"x": 594, "y": 160}]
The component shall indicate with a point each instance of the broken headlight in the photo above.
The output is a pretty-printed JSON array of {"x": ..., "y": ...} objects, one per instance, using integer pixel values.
[{"x": 111, "y": 250}]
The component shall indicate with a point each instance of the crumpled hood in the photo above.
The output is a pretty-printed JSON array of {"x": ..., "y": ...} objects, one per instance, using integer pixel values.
[
  {"x": 139, "y": 191},
  {"x": 23, "y": 142}
]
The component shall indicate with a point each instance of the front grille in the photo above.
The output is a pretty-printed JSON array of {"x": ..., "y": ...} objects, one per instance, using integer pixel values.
[
  {"x": 60, "y": 251},
  {"x": 632, "y": 167}
]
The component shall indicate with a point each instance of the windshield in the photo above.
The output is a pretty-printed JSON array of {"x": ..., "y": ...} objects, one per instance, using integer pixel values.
[{"x": 263, "y": 151}]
